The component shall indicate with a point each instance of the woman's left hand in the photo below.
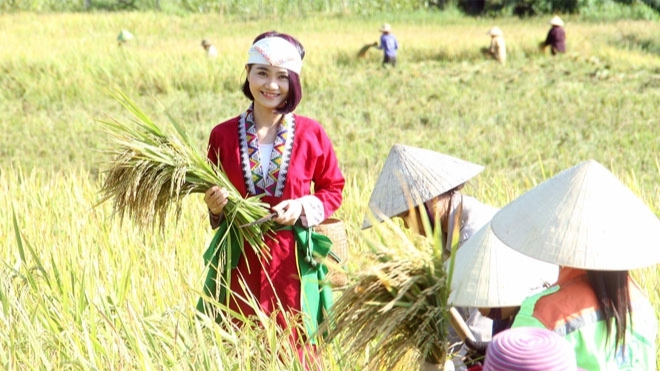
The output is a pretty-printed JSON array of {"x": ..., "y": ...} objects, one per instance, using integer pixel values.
[{"x": 288, "y": 212}]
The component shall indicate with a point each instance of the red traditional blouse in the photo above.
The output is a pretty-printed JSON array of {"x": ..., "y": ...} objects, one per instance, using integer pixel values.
[{"x": 303, "y": 163}]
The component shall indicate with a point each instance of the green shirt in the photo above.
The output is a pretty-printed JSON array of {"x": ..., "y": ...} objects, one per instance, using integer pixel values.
[{"x": 568, "y": 308}]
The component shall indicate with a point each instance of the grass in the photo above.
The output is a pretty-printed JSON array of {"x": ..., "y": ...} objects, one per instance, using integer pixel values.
[{"x": 80, "y": 291}]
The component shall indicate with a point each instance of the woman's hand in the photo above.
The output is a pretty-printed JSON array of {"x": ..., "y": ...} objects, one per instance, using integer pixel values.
[
  {"x": 288, "y": 212},
  {"x": 216, "y": 199}
]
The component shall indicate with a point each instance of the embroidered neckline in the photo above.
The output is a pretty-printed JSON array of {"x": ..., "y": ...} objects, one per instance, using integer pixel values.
[{"x": 273, "y": 183}]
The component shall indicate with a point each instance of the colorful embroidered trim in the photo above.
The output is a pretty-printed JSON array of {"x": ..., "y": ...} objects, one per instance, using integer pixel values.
[{"x": 273, "y": 183}]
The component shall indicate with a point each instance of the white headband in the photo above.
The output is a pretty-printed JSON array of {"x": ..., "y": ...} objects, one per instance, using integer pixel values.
[{"x": 275, "y": 51}]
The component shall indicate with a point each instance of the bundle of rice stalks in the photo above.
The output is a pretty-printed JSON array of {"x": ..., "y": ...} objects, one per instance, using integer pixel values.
[
  {"x": 397, "y": 309},
  {"x": 152, "y": 171},
  {"x": 362, "y": 53}
]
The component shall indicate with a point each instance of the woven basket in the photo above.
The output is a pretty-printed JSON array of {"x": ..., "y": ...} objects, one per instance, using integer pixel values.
[
  {"x": 334, "y": 229},
  {"x": 336, "y": 232}
]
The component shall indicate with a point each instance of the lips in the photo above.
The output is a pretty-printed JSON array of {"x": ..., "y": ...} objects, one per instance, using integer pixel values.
[{"x": 270, "y": 95}]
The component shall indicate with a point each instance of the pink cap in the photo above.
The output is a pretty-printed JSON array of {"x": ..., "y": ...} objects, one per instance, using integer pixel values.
[{"x": 529, "y": 349}]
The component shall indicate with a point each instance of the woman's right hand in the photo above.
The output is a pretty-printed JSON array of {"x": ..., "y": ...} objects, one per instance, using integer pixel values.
[{"x": 216, "y": 199}]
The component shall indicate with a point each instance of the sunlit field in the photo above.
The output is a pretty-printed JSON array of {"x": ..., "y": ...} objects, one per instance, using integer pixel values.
[{"x": 80, "y": 290}]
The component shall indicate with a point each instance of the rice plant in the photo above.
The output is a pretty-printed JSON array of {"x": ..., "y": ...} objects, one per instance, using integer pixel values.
[
  {"x": 152, "y": 170},
  {"x": 396, "y": 308}
]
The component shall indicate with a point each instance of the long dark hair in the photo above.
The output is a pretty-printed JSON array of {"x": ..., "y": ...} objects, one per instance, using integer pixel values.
[
  {"x": 613, "y": 295},
  {"x": 295, "y": 87}
]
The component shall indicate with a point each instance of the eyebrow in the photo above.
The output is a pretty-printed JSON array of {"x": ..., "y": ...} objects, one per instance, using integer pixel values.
[{"x": 265, "y": 68}]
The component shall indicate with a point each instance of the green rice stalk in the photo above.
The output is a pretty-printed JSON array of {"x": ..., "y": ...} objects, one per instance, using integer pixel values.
[
  {"x": 398, "y": 307},
  {"x": 153, "y": 170},
  {"x": 454, "y": 238}
]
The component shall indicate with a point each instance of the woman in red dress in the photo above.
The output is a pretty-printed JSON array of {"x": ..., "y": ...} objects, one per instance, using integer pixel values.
[{"x": 289, "y": 159}]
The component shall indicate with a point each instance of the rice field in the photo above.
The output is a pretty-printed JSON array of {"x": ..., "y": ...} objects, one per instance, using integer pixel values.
[{"x": 80, "y": 290}]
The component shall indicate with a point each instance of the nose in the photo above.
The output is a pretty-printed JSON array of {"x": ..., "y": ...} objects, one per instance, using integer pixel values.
[{"x": 272, "y": 83}]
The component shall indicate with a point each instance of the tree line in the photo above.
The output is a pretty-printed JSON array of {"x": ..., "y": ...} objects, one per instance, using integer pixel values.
[{"x": 520, "y": 8}]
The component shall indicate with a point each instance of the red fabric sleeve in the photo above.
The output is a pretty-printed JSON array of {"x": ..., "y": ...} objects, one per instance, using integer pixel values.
[{"x": 313, "y": 143}]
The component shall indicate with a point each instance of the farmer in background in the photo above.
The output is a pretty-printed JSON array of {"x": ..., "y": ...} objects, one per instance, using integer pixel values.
[
  {"x": 123, "y": 37},
  {"x": 556, "y": 38},
  {"x": 497, "y": 48},
  {"x": 389, "y": 45},
  {"x": 270, "y": 151},
  {"x": 415, "y": 178},
  {"x": 211, "y": 51},
  {"x": 596, "y": 229}
]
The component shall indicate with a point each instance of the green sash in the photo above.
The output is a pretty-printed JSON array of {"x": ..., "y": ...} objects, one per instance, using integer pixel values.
[
  {"x": 316, "y": 294},
  {"x": 229, "y": 246}
]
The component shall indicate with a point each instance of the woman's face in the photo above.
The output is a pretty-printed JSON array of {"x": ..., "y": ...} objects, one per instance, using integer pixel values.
[{"x": 269, "y": 85}]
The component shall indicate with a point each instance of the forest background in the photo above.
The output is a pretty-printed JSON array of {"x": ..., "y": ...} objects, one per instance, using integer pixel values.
[{"x": 80, "y": 290}]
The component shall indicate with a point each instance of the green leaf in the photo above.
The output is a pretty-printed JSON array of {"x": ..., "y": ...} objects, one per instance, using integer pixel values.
[{"x": 17, "y": 233}]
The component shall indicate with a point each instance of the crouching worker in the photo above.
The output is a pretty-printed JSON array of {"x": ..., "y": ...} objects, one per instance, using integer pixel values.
[
  {"x": 415, "y": 179},
  {"x": 497, "y": 48},
  {"x": 496, "y": 279}
]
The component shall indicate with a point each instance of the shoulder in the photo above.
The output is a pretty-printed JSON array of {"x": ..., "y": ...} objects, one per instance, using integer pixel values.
[
  {"x": 574, "y": 299},
  {"x": 476, "y": 214},
  {"x": 308, "y": 125},
  {"x": 576, "y": 289},
  {"x": 526, "y": 315},
  {"x": 476, "y": 209},
  {"x": 311, "y": 133},
  {"x": 230, "y": 125}
]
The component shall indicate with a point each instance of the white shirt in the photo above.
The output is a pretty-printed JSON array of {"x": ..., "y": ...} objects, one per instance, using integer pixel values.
[
  {"x": 475, "y": 215},
  {"x": 211, "y": 52},
  {"x": 265, "y": 150}
]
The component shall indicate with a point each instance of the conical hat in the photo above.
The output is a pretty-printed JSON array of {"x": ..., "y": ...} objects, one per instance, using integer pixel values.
[
  {"x": 556, "y": 21},
  {"x": 583, "y": 217},
  {"x": 495, "y": 31},
  {"x": 124, "y": 35},
  {"x": 489, "y": 274},
  {"x": 415, "y": 174}
]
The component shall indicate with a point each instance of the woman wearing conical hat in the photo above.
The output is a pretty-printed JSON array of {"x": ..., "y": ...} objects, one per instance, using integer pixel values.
[
  {"x": 493, "y": 277},
  {"x": 123, "y": 37},
  {"x": 497, "y": 48},
  {"x": 596, "y": 229},
  {"x": 414, "y": 179},
  {"x": 388, "y": 44},
  {"x": 556, "y": 38}
]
